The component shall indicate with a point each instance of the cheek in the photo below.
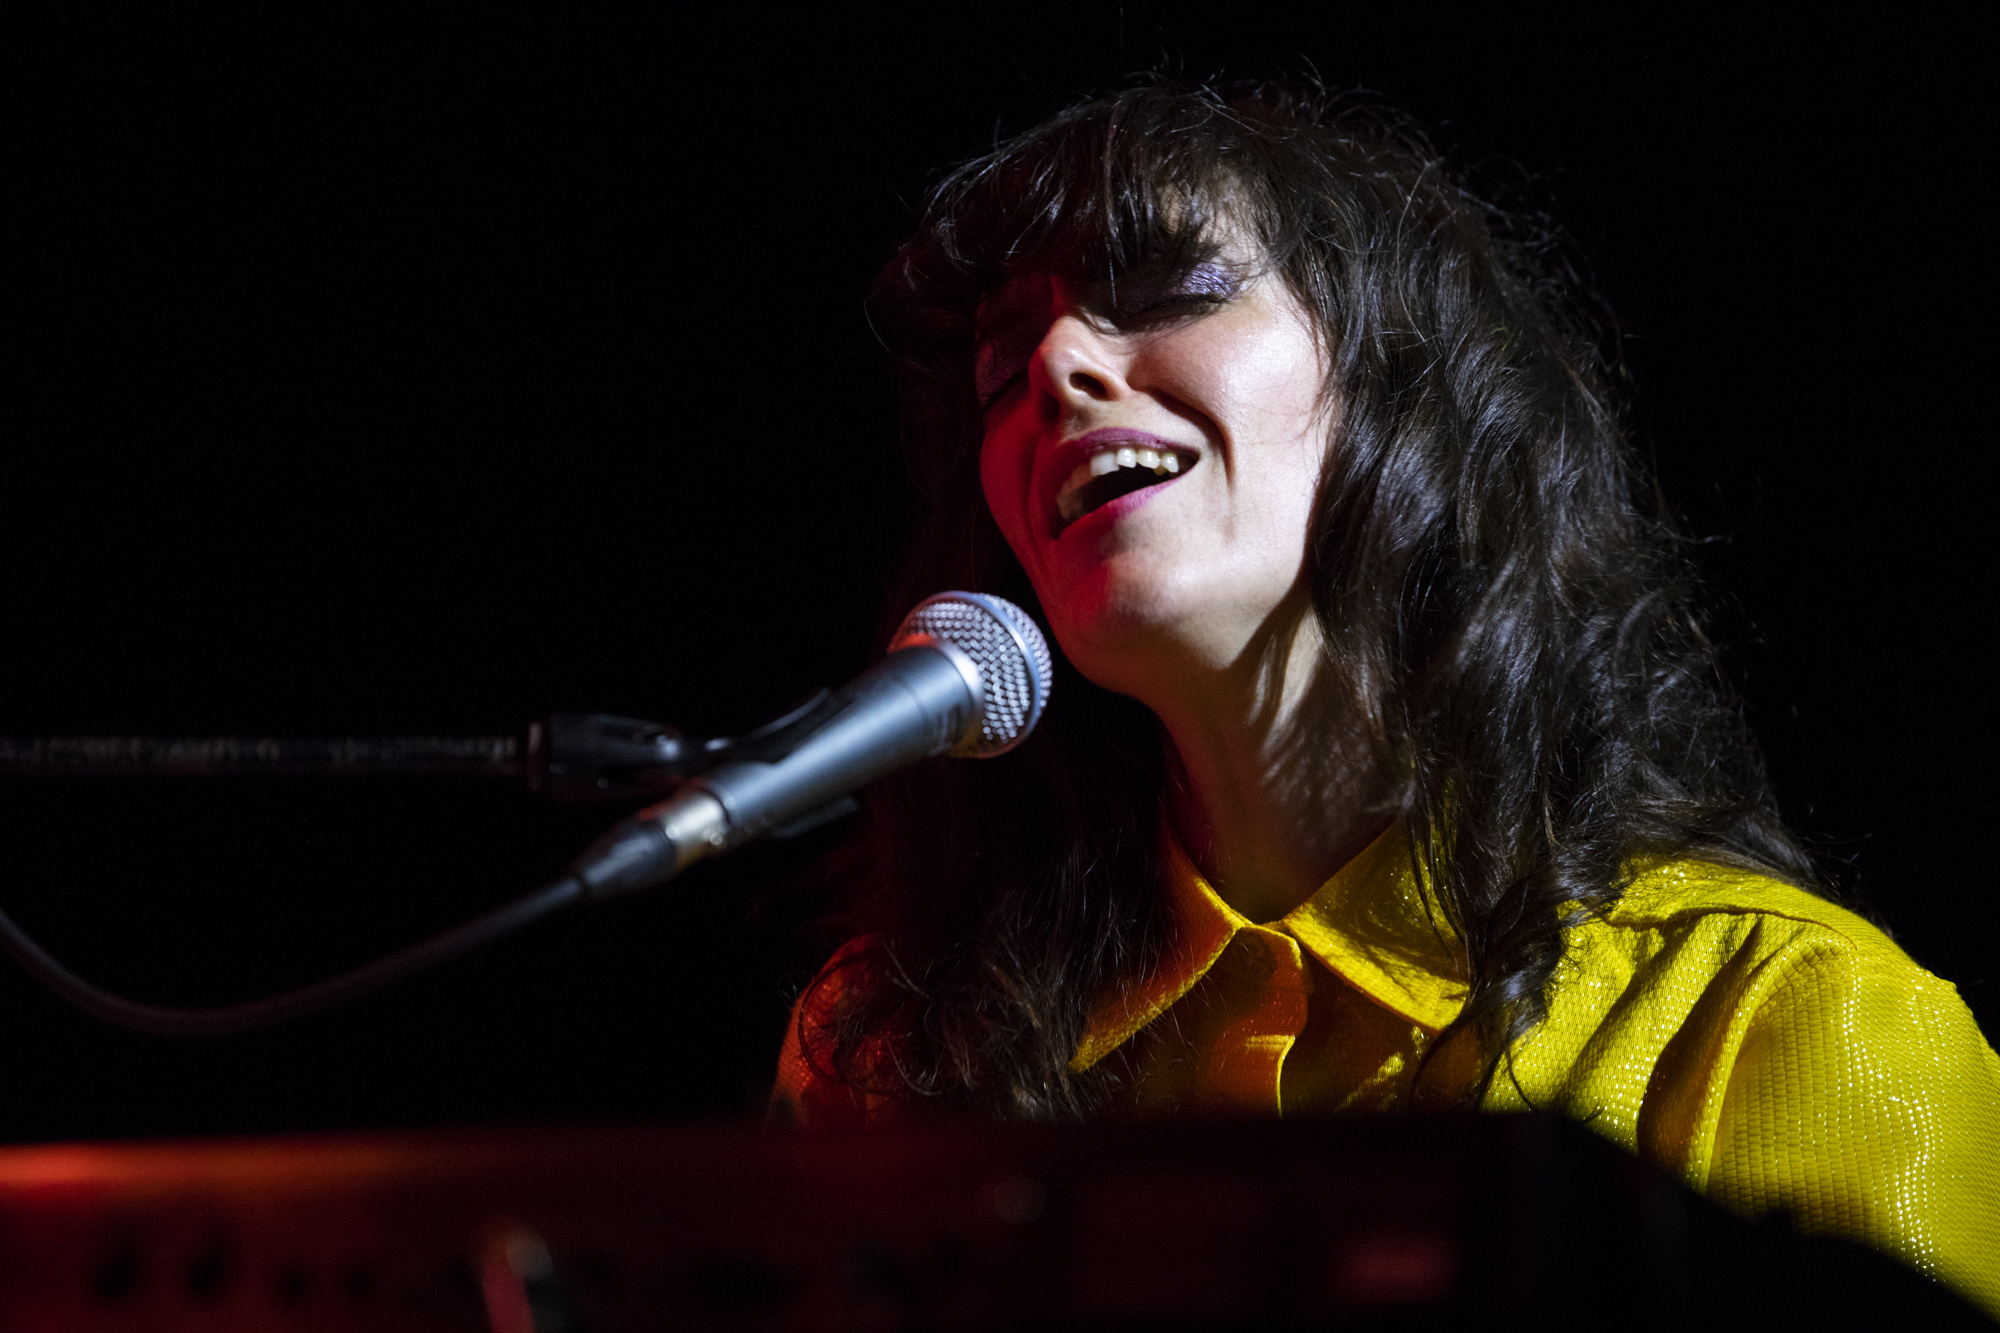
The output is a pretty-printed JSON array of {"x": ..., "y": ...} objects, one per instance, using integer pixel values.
[
  {"x": 1266, "y": 383},
  {"x": 1285, "y": 487},
  {"x": 1258, "y": 374},
  {"x": 1273, "y": 383}
]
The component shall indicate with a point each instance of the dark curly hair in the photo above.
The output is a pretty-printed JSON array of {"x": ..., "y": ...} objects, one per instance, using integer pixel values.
[{"x": 1505, "y": 601}]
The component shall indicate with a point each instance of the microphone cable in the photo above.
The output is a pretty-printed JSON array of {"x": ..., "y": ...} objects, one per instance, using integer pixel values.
[{"x": 226, "y": 1020}]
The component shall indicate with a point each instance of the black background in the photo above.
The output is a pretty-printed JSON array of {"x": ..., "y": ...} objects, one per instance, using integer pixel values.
[{"x": 373, "y": 377}]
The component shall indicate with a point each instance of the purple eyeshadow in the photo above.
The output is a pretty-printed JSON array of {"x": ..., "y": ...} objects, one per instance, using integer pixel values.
[{"x": 1208, "y": 280}]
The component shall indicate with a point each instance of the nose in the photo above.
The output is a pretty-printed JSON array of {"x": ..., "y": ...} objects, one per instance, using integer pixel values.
[{"x": 1077, "y": 365}]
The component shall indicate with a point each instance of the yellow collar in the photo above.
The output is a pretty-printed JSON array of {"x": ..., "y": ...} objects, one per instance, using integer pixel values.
[{"x": 1368, "y": 924}]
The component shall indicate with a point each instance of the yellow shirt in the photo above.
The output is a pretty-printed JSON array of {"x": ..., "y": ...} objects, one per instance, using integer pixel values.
[{"x": 1771, "y": 1049}]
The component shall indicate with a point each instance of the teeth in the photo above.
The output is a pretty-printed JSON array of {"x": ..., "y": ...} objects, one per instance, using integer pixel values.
[{"x": 1161, "y": 462}]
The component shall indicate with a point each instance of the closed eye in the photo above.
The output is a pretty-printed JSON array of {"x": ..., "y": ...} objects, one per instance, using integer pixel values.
[
  {"x": 1179, "y": 305},
  {"x": 996, "y": 370},
  {"x": 1011, "y": 323},
  {"x": 1202, "y": 290}
]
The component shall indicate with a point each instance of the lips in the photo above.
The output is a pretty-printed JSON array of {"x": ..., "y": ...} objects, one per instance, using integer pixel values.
[{"x": 1107, "y": 465}]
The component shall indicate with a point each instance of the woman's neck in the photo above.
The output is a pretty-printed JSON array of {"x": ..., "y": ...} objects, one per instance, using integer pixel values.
[{"x": 1271, "y": 785}]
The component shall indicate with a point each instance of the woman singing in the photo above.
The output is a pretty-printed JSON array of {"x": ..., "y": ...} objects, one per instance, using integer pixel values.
[{"x": 1389, "y": 765}]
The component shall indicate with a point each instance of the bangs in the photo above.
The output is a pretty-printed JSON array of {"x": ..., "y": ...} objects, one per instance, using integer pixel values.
[{"x": 1136, "y": 192}]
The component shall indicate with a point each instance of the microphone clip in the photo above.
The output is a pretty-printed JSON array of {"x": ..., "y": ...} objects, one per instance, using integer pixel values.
[{"x": 599, "y": 758}]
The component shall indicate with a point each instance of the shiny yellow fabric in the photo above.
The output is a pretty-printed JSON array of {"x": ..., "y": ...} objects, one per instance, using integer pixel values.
[{"x": 1771, "y": 1049}]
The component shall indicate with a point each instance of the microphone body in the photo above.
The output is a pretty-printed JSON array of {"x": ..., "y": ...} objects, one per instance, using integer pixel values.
[
  {"x": 916, "y": 703},
  {"x": 967, "y": 674}
]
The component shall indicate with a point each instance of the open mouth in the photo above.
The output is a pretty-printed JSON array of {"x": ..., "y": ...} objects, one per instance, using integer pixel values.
[{"x": 1111, "y": 473}]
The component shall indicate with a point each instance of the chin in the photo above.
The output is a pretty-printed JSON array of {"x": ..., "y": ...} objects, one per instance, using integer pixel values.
[{"x": 1118, "y": 625}]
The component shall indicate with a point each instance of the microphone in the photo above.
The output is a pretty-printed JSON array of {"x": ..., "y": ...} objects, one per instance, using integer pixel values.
[{"x": 966, "y": 674}]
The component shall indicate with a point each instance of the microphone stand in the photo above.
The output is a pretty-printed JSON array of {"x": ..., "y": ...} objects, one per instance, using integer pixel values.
[
  {"x": 570, "y": 757},
  {"x": 566, "y": 757}
]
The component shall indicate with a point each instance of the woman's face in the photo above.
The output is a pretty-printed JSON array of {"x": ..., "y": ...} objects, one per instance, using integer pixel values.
[{"x": 1153, "y": 469}]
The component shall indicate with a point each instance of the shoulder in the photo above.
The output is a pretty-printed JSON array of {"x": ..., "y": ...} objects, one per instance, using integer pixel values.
[
  {"x": 1754, "y": 924},
  {"x": 1808, "y": 1010},
  {"x": 1727, "y": 977},
  {"x": 1682, "y": 973},
  {"x": 1674, "y": 890},
  {"x": 1850, "y": 1087}
]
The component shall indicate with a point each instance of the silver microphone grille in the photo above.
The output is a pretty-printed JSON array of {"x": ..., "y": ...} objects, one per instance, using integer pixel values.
[{"x": 1012, "y": 657}]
